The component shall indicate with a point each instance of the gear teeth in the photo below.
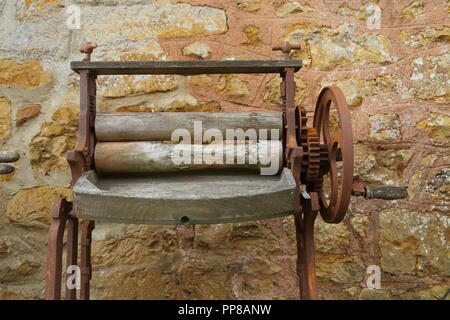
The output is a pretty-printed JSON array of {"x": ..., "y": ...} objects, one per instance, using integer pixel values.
[{"x": 311, "y": 169}]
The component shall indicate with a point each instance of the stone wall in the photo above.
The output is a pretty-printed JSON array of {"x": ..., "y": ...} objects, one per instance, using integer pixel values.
[{"x": 395, "y": 78}]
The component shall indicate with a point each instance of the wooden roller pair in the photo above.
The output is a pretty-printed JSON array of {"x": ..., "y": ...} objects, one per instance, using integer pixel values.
[{"x": 144, "y": 142}]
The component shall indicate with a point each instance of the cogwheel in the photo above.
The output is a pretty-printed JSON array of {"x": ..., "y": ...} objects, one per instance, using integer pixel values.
[{"x": 311, "y": 158}]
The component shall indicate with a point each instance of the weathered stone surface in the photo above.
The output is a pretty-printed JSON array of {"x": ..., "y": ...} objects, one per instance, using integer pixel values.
[
  {"x": 199, "y": 80},
  {"x": 253, "y": 35},
  {"x": 374, "y": 294},
  {"x": 32, "y": 206},
  {"x": 28, "y": 74},
  {"x": 435, "y": 159},
  {"x": 237, "y": 57},
  {"x": 429, "y": 78},
  {"x": 356, "y": 89},
  {"x": 134, "y": 282},
  {"x": 360, "y": 13},
  {"x": 121, "y": 86},
  {"x": 385, "y": 127},
  {"x": 272, "y": 91},
  {"x": 283, "y": 9},
  {"x": 412, "y": 11},
  {"x": 326, "y": 47},
  {"x": 245, "y": 236},
  {"x": 116, "y": 2},
  {"x": 346, "y": 11},
  {"x": 155, "y": 21},
  {"x": 138, "y": 244},
  {"x": 431, "y": 293},
  {"x": 414, "y": 184},
  {"x": 359, "y": 223},
  {"x": 27, "y": 112},
  {"x": 331, "y": 236},
  {"x": 43, "y": 35},
  {"x": 212, "y": 236},
  {"x": 353, "y": 291},
  {"x": 259, "y": 285},
  {"x": 6, "y": 294},
  {"x": 425, "y": 37},
  {"x": 339, "y": 268},
  {"x": 383, "y": 167},
  {"x": 232, "y": 85},
  {"x": 250, "y": 6},
  {"x": 175, "y": 106},
  {"x": 133, "y": 85},
  {"x": 197, "y": 49},
  {"x": 133, "y": 109},
  {"x": 260, "y": 265},
  {"x": 413, "y": 242},
  {"x": 208, "y": 278},
  {"x": 438, "y": 126},
  {"x": 180, "y": 106},
  {"x": 188, "y": 275},
  {"x": 253, "y": 235},
  {"x": 18, "y": 259},
  {"x": 5, "y": 118},
  {"x": 48, "y": 149},
  {"x": 33, "y": 9},
  {"x": 438, "y": 188}
]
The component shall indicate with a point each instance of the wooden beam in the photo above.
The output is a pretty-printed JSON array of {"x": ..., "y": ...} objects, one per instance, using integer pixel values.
[{"x": 186, "y": 67}]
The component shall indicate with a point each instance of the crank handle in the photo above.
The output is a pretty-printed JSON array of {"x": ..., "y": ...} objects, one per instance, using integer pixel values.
[{"x": 385, "y": 192}]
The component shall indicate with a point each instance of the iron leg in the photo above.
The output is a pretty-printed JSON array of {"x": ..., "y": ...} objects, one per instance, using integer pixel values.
[
  {"x": 305, "y": 248},
  {"x": 72, "y": 253},
  {"x": 59, "y": 214},
  {"x": 87, "y": 227}
]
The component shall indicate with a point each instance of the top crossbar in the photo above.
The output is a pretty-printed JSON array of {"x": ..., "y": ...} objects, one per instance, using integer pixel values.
[{"x": 185, "y": 67}]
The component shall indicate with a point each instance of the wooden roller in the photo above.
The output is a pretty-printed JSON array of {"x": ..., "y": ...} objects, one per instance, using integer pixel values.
[
  {"x": 136, "y": 157},
  {"x": 159, "y": 126}
]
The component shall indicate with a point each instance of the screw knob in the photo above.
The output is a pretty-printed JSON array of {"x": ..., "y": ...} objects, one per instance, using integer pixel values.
[
  {"x": 88, "y": 48},
  {"x": 286, "y": 48}
]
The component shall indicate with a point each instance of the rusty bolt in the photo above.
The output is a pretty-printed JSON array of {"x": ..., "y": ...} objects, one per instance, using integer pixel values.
[{"x": 358, "y": 188}]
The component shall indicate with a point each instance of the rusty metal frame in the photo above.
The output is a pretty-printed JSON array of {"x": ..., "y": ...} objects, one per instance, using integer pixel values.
[
  {"x": 310, "y": 153},
  {"x": 63, "y": 212}
]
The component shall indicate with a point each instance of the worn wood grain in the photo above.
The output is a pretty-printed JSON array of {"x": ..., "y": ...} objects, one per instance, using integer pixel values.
[
  {"x": 159, "y": 126},
  {"x": 186, "y": 67},
  {"x": 135, "y": 157}
]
